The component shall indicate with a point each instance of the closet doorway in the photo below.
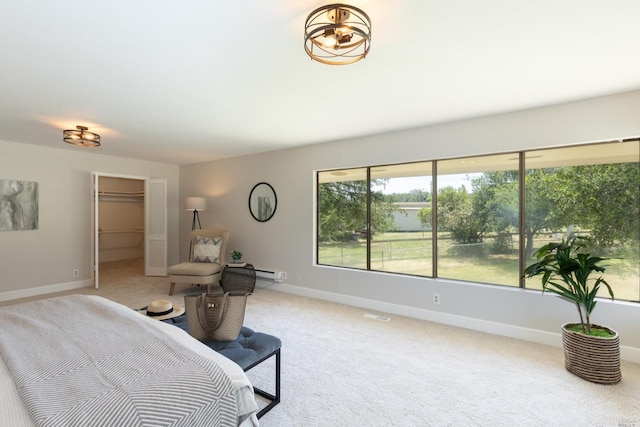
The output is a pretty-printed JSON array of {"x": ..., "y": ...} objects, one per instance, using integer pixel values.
[{"x": 129, "y": 227}]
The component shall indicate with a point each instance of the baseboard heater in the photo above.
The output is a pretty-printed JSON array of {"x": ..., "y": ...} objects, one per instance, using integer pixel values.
[{"x": 276, "y": 276}]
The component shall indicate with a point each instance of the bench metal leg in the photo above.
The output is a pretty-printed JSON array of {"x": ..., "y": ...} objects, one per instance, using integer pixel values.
[{"x": 275, "y": 399}]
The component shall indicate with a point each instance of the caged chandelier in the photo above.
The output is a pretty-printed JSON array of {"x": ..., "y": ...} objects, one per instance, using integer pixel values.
[
  {"x": 337, "y": 34},
  {"x": 82, "y": 137}
]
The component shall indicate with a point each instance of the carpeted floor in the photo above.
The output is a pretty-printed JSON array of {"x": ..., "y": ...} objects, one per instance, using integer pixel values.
[{"x": 340, "y": 368}]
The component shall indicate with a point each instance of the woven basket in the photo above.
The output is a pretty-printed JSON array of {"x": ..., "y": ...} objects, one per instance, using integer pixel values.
[{"x": 594, "y": 359}]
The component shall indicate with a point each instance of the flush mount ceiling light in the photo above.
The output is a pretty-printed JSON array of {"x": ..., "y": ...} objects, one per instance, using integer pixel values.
[
  {"x": 82, "y": 137},
  {"x": 337, "y": 34}
]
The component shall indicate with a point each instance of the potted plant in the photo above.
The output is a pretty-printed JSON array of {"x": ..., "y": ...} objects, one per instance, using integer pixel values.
[
  {"x": 591, "y": 351},
  {"x": 236, "y": 256}
]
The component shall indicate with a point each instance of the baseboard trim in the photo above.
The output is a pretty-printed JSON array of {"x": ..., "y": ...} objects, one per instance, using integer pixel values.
[
  {"x": 42, "y": 290},
  {"x": 631, "y": 354}
]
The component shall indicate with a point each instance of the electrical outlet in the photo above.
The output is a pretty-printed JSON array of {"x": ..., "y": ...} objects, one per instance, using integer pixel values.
[
  {"x": 299, "y": 278},
  {"x": 436, "y": 298},
  {"x": 283, "y": 276},
  {"x": 76, "y": 273}
]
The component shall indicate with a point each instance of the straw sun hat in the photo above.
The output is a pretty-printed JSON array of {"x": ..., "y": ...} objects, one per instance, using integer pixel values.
[{"x": 162, "y": 309}]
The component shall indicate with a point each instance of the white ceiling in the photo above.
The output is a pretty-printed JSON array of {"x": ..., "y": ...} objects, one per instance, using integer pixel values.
[{"x": 191, "y": 81}]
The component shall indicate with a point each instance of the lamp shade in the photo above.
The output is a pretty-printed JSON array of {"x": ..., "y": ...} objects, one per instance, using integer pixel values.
[{"x": 195, "y": 204}]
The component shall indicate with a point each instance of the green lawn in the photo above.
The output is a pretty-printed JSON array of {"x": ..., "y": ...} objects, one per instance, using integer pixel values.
[{"x": 411, "y": 253}]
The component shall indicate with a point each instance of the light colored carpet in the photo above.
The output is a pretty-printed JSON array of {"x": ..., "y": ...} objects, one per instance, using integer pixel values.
[{"x": 340, "y": 368}]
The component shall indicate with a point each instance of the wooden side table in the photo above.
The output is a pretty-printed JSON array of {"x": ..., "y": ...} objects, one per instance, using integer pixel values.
[{"x": 236, "y": 279}]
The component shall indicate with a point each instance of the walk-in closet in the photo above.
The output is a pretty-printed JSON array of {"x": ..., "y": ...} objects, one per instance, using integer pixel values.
[{"x": 121, "y": 222}]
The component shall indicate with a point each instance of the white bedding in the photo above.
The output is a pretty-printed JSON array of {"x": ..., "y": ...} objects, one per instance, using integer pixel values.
[{"x": 14, "y": 413}]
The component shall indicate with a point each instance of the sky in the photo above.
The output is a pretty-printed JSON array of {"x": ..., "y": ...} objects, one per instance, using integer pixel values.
[{"x": 405, "y": 185}]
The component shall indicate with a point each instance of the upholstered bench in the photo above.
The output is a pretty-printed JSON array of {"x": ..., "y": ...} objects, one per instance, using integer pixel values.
[{"x": 248, "y": 350}]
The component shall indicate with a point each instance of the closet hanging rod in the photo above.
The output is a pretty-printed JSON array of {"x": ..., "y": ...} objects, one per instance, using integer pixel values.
[{"x": 121, "y": 193}]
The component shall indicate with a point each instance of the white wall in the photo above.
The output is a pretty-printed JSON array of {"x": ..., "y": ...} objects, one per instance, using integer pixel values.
[
  {"x": 42, "y": 260},
  {"x": 287, "y": 241}
]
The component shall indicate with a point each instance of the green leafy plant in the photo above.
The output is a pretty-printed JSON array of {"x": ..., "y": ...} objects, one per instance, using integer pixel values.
[
  {"x": 566, "y": 269},
  {"x": 236, "y": 255}
]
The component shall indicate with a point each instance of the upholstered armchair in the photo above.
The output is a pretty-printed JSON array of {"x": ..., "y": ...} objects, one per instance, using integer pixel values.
[{"x": 206, "y": 259}]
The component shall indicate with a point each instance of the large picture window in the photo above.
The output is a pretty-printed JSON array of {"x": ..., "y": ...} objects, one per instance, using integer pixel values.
[
  {"x": 342, "y": 218},
  {"x": 480, "y": 219},
  {"x": 477, "y": 218},
  {"x": 401, "y": 238},
  {"x": 591, "y": 191}
]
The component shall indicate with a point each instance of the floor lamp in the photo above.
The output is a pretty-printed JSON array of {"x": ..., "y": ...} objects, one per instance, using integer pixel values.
[{"x": 195, "y": 204}]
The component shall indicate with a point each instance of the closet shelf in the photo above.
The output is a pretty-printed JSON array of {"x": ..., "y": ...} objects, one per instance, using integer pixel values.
[{"x": 124, "y": 230}]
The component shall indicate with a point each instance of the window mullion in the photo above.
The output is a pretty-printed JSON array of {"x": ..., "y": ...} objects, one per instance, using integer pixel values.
[
  {"x": 434, "y": 218},
  {"x": 521, "y": 218},
  {"x": 368, "y": 218}
]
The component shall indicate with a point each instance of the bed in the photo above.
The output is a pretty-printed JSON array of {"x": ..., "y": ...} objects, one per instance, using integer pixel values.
[{"x": 85, "y": 360}]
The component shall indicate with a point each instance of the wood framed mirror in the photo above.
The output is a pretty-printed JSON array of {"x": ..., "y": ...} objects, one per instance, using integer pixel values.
[{"x": 262, "y": 202}]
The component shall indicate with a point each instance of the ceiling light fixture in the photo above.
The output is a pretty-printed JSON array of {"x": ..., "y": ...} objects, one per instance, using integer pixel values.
[
  {"x": 82, "y": 137},
  {"x": 337, "y": 34}
]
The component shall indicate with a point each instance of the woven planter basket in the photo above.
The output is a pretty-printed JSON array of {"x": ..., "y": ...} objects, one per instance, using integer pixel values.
[{"x": 594, "y": 359}]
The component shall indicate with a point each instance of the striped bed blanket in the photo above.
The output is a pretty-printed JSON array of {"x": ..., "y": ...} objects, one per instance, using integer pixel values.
[{"x": 77, "y": 362}]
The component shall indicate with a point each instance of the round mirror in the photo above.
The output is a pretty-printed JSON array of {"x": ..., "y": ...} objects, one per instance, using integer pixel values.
[{"x": 262, "y": 202}]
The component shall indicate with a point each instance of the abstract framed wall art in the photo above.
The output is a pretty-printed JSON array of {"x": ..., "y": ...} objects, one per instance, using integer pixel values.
[{"x": 18, "y": 205}]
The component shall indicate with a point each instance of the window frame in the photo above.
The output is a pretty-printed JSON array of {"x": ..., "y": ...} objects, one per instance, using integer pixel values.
[{"x": 522, "y": 161}]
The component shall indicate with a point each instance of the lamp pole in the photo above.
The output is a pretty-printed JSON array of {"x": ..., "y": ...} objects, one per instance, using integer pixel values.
[
  {"x": 195, "y": 204},
  {"x": 196, "y": 217}
]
